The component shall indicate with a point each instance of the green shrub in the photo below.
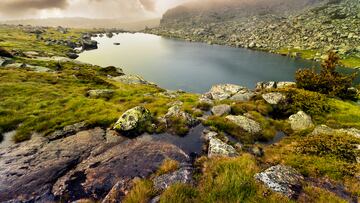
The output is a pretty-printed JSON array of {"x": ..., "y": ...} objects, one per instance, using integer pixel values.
[
  {"x": 310, "y": 102},
  {"x": 340, "y": 146},
  {"x": 328, "y": 81}
]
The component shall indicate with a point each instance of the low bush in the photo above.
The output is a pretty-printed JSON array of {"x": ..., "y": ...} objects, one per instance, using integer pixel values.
[{"x": 141, "y": 192}]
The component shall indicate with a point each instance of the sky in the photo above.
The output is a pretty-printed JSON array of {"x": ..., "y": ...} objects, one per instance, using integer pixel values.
[{"x": 127, "y": 10}]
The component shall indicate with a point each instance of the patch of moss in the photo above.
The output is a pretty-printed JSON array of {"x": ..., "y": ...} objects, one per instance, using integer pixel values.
[
  {"x": 315, "y": 194},
  {"x": 344, "y": 114},
  {"x": 351, "y": 62}
]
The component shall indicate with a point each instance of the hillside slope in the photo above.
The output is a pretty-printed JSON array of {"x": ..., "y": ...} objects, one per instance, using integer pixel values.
[{"x": 306, "y": 29}]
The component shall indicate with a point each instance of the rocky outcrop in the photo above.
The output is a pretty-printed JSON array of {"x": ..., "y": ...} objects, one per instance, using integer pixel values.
[
  {"x": 300, "y": 121},
  {"x": 67, "y": 130},
  {"x": 78, "y": 166},
  {"x": 221, "y": 110},
  {"x": 133, "y": 119},
  {"x": 282, "y": 179},
  {"x": 104, "y": 93},
  {"x": 112, "y": 71},
  {"x": 218, "y": 147},
  {"x": 39, "y": 69},
  {"x": 183, "y": 175},
  {"x": 273, "y": 98},
  {"x": 176, "y": 113},
  {"x": 245, "y": 123}
]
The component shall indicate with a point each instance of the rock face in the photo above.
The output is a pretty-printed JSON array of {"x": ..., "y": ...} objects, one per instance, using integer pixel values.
[
  {"x": 79, "y": 166},
  {"x": 133, "y": 119},
  {"x": 67, "y": 130},
  {"x": 183, "y": 175},
  {"x": 223, "y": 91},
  {"x": 112, "y": 71},
  {"x": 245, "y": 123},
  {"x": 300, "y": 121},
  {"x": 221, "y": 110},
  {"x": 105, "y": 93},
  {"x": 273, "y": 97},
  {"x": 282, "y": 179}
]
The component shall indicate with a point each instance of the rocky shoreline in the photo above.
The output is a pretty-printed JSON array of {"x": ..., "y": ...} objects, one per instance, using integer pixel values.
[{"x": 309, "y": 35}]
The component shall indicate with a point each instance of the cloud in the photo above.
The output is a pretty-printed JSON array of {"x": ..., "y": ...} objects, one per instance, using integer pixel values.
[
  {"x": 8, "y": 6},
  {"x": 124, "y": 9}
]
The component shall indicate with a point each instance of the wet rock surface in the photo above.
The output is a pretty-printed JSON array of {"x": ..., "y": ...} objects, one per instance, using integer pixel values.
[
  {"x": 79, "y": 166},
  {"x": 282, "y": 179}
]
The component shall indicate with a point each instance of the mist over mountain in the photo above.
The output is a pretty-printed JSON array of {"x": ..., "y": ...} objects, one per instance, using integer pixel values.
[
  {"x": 220, "y": 10},
  {"x": 89, "y": 23}
]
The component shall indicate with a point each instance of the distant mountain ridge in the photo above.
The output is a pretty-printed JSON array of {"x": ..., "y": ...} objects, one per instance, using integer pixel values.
[
  {"x": 220, "y": 10},
  {"x": 88, "y": 23},
  {"x": 299, "y": 28}
]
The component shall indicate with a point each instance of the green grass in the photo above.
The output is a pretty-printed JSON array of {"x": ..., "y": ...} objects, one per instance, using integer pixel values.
[
  {"x": 344, "y": 114},
  {"x": 141, "y": 192},
  {"x": 351, "y": 62},
  {"x": 305, "y": 54}
]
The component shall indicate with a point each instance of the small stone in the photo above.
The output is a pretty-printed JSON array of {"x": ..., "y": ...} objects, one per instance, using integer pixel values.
[
  {"x": 183, "y": 175},
  {"x": 219, "y": 148}
]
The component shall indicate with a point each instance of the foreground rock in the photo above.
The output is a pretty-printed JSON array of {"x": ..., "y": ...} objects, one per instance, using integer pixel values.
[
  {"x": 176, "y": 113},
  {"x": 221, "y": 110},
  {"x": 300, "y": 121},
  {"x": 282, "y": 179},
  {"x": 183, "y": 175},
  {"x": 245, "y": 123},
  {"x": 133, "y": 119},
  {"x": 78, "y": 166},
  {"x": 67, "y": 130},
  {"x": 89, "y": 44}
]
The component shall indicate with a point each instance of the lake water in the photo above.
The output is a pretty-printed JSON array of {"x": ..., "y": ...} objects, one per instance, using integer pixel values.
[{"x": 193, "y": 67}]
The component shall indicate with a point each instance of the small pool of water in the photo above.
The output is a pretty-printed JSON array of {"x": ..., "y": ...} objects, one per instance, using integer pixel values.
[{"x": 191, "y": 144}]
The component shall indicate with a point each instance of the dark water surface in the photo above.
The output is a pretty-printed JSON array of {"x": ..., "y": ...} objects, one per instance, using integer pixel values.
[{"x": 193, "y": 67}]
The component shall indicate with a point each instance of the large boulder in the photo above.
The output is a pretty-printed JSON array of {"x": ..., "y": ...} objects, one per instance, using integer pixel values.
[
  {"x": 220, "y": 148},
  {"x": 243, "y": 95},
  {"x": 223, "y": 91},
  {"x": 221, "y": 110},
  {"x": 282, "y": 179},
  {"x": 183, "y": 175},
  {"x": 133, "y": 119},
  {"x": 273, "y": 97},
  {"x": 300, "y": 121},
  {"x": 245, "y": 123},
  {"x": 101, "y": 93}
]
